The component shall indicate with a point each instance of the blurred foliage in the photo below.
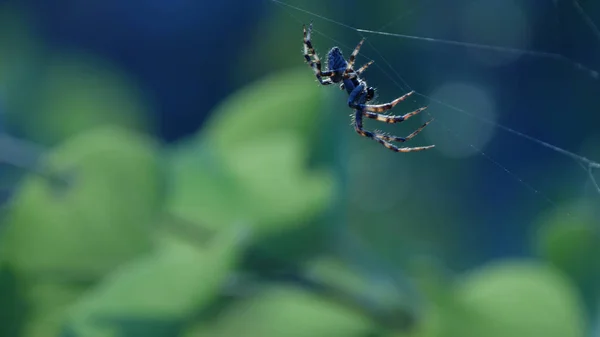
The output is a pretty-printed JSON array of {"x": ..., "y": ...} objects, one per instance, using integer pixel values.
[
  {"x": 278, "y": 311},
  {"x": 106, "y": 253},
  {"x": 79, "y": 213},
  {"x": 250, "y": 165},
  {"x": 520, "y": 298},
  {"x": 259, "y": 149},
  {"x": 179, "y": 277},
  {"x": 98, "y": 95},
  {"x": 53, "y": 95},
  {"x": 571, "y": 241}
]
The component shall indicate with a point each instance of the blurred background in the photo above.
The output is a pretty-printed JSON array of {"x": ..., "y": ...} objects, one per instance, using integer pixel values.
[{"x": 172, "y": 168}]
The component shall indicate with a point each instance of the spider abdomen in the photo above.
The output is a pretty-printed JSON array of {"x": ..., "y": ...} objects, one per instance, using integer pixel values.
[{"x": 336, "y": 63}]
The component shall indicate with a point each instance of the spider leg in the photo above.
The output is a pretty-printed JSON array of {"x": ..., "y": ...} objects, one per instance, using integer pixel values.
[
  {"x": 350, "y": 73},
  {"x": 315, "y": 62},
  {"x": 352, "y": 57},
  {"x": 370, "y": 111},
  {"x": 391, "y": 119},
  {"x": 357, "y": 97},
  {"x": 363, "y": 68},
  {"x": 388, "y": 106},
  {"x": 385, "y": 140},
  {"x": 390, "y": 138}
]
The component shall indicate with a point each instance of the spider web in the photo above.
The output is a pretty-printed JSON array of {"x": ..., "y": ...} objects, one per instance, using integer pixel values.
[
  {"x": 547, "y": 178},
  {"x": 557, "y": 60}
]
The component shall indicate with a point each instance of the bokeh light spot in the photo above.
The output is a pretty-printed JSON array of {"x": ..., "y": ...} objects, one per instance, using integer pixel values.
[{"x": 462, "y": 136}]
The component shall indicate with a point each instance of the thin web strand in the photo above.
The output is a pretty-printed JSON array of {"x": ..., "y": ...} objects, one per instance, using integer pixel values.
[
  {"x": 590, "y": 23},
  {"x": 504, "y": 168},
  {"x": 594, "y": 181},
  {"x": 590, "y": 171},
  {"x": 558, "y": 57},
  {"x": 586, "y": 18},
  {"x": 456, "y": 135},
  {"x": 588, "y": 163}
]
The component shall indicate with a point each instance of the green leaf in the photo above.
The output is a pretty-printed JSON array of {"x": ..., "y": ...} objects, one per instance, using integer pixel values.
[
  {"x": 251, "y": 162},
  {"x": 48, "y": 306},
  {"x": 97, "y": 220},
  {"x": 385, "y": 302},
  {"x": 288, "y": 101},
  {"x": 202, "y": 189},
  {"x": 161, "y": 289},
  {"x": 70, "y": 93},
  {"x": 13, "y": 309},
  {"x": 520, "y": 298},
  {"x": 571, "y": 241},
  {"x": 286, "y": 312}
]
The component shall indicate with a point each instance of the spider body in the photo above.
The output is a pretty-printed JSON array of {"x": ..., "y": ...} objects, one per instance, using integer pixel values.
[
  {"x": 337, "y": 64},
  {"x": 340, "y": 70}
]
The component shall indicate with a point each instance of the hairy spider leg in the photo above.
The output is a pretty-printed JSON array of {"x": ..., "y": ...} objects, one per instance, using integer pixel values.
[
  {"x": 315, "y": 62},
  {"x": 370, "y": 111},
  {"x": 352, "y": 58},
  {"x": 385, "y": 106},
  {"x": 354, "y": 74},
  {"x": 390, "y": 138},
  {"x": 363, "y": 68},
  {"x": 356, "y": 99},
  {"x": 391, "y": 119},
  {"x": 383, "y": 139}
]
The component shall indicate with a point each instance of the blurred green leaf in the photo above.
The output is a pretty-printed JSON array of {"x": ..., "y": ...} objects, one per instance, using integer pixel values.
[
  {"x": 74, "y": 92},
  {"x": 382, "y": 299},
  {"x": 286, "y": 312},
  {"x": 159, "y": 290},
  {"x": 13, "y": 308},
  {"x": 520, "y": 298},
  {"x": 438, "y": 312},
  {"x": 250, "y": 164},
  {"x": 287, "y": 101},
  {"x": 18, "y": 48},
  {"x": 334, "y": 271},
  {"x": 509, "y": 298},
  {"x": 202, "y": 189},
  {"x": 430, "y": 325},
  {"x": 49, "y": 303},
  {"x": 96, "y": 221},
  {"x": 571, "y": 241}
]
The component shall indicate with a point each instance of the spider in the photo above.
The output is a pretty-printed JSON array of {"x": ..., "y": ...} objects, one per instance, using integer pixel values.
[{"x": 341, "y": 71}]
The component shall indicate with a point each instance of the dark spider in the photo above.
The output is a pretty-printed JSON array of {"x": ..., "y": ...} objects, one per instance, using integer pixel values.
[{"x": 339, "y": 70}]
